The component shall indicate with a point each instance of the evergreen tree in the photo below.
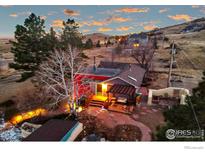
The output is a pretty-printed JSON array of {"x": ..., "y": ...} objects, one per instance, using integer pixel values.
[
  {"x": 89, "y": 44},
  {"x": 71, "y": 35},
  {"x": 28, "y": 48},
  {"x": 51, "y": 41},
  {"x": 98, "y": 44}
]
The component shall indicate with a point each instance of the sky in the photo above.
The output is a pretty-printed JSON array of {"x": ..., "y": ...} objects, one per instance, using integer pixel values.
[{"x": 111, "y": 19}]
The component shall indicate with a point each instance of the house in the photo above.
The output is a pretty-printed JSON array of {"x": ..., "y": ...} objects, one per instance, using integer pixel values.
[
  {"x": 114, "y": 80},
  {"x": 56, "y": 130},
  {"x": 135, "y": 39}
]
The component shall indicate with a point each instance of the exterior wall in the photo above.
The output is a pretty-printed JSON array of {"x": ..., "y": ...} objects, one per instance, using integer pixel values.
[
  {"x": 182, "y": 92},
  {"x": 92, "y": 83}
]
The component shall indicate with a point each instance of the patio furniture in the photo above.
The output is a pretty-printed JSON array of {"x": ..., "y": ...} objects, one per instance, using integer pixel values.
[
  {"x": 113, "y": 100},
  {"x": 122, "y": 100}
]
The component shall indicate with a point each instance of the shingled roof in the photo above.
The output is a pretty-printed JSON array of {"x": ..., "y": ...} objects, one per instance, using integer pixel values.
[
  {"x": 131, "y": 73},
  {"x": 53, "y": 130}
]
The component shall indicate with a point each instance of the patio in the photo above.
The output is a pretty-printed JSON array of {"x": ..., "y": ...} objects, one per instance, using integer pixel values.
[
  {"x": 124, "y": 94},
  {"x": 106, "y": 122}
]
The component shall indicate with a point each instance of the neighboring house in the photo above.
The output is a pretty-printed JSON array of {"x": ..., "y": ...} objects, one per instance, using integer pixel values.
[
  {"x": 115, "y": 79},
  {"x": 141, "y": 38}
]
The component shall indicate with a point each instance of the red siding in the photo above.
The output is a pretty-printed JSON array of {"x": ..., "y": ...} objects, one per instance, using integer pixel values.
[{"x": 83, "y": 90}]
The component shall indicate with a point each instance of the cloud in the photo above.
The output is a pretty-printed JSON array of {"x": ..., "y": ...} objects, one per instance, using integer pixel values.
[
  {"x": 149, "y": 27},
  {"x": 124, "y": 28},
  {"x": 163, "y": 10},
  {"x": 90, "y": 17},
  {"x": 104, "y": 29},
  {"x": 58, "y": 23},
  {"x": 20, "y": 14},
  {"x": 52, "y": 13},
  {"x": 195, "y": 6},
  {"x": 93, "y": 23},
  {"x": 145, "y": 23},
  {"x": 117, "y": 19},
  {"x": 97, "y": 23},
  {"x": 85, "y": 30},
  {"x": 133, "y": 10},
  {"x": 202, "y": 9},
  {"x": 71, "y": 12},
  {"x": 104, "y": 22},
  {"x": 13, "y": 15},
  {"x": 181, "y": 17},
  {"x": 5, "y": 6}
]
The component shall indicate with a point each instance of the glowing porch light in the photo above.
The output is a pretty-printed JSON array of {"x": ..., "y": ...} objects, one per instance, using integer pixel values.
[
  {"x": 104, "y": 87},
  {"x": 136, "y": 45},
  {"x": 80, "y": 108}
]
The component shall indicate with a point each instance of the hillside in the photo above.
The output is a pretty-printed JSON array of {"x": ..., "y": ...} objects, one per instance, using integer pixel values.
[
  {"x": 96, "y": 36},
  {"x": 176, "y": 29}
]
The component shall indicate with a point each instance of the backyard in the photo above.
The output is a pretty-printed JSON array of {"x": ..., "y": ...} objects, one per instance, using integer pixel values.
[{"x": 105, "y": 123}]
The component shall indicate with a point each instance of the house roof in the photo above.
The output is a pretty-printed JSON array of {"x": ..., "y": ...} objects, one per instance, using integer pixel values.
[
  {"x": 113, "y": 65},
  {"x": 102, "y": 71},
  {"x": 133, "y": 74},
  {"x": 53, "y": 130},
  {"x": 140, "y": 35},
  {"x": 122, "y": 89}
]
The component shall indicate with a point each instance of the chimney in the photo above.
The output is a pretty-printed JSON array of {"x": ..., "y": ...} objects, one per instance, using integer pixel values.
[
  {"x": 94, "y": 64},
  {"x": 112, "y": 56},
  {"x": 130, "y": 68}
]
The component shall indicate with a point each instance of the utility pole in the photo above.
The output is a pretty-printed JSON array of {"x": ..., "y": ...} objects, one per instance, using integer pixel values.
[
  {"x": 163, "y": 37},
  {"x": 173, "y": 51}
]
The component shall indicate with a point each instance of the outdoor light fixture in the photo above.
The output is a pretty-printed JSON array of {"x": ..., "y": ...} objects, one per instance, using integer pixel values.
[
  {"x": 104, "y": 87},
  {"x": 27, "y": 115},
  {"x": 136, "y": 45},
  {"x": 80, "y": 108}
]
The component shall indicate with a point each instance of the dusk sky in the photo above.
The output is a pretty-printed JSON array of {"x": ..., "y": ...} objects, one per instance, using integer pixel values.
[{"x": 111, "y": 20}]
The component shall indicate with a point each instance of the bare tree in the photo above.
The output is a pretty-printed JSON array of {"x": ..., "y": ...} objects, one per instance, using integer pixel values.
[
  {"x": 143, "y": 54},
  {"x": 58, "y": 74}
]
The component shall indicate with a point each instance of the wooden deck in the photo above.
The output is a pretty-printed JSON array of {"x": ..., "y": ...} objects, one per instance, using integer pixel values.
[{"x": 99, "y": 101}]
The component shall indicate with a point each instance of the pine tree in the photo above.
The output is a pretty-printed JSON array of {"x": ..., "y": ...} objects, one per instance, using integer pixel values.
[
  {"x": 51, "y": 41},
  {"x": 89, "y": 44},
  {"x": 29, "y": 48},
  {"x": 98, "y": 44},
  {"x": 71, "y": 35}
]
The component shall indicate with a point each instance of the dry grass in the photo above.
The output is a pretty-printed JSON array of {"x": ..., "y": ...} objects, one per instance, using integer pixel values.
[
  {"x": 14, "y": 89},
  {"x": 104, "y": 53}
]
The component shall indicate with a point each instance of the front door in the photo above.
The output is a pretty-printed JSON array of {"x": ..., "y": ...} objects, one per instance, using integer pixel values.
[{"x": 99, "y": 89}]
